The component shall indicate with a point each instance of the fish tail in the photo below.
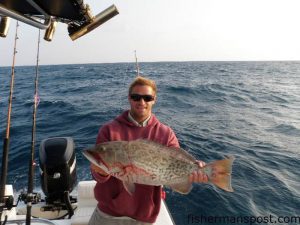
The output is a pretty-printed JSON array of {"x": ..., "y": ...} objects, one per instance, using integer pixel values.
[{"x": 220, "y": 173}]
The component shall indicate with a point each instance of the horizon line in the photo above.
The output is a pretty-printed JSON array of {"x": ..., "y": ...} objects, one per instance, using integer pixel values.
[{"x": 167, "y": 61}]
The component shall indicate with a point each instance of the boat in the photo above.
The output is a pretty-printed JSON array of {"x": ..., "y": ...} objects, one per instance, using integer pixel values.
[{"x": 64, "y": 200}]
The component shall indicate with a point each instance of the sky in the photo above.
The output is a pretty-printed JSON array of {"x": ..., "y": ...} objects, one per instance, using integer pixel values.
[{"x": 170, "y": 30}]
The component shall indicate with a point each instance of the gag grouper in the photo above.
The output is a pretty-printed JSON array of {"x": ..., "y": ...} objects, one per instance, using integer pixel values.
[{"x": 147, "y": 162}]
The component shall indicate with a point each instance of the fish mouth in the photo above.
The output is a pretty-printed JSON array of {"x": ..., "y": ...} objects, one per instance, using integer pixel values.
[{"x": 96, "y": 159}]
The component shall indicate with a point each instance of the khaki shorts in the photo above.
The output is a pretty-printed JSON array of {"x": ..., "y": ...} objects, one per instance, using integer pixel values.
[{"x": 100, "y": 218}]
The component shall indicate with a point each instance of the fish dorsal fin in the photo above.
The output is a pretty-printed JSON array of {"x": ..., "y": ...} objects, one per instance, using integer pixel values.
[{"x": 178, "y": 153}]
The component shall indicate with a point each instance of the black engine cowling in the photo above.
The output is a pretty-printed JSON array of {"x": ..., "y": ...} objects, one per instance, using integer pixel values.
[{"x": 58, "y": 167}]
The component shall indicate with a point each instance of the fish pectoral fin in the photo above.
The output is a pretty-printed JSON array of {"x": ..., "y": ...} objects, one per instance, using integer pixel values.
[
  {"x": 129, "y": 187},
  {"x": 182, "y": 188}
]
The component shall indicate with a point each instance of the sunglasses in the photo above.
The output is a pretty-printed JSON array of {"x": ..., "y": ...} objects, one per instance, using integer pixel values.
[{"x": 137, "y": 97}]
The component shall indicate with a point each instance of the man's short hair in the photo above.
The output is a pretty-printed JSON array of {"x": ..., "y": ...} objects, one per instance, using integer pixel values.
[{"x": 143, "y": 82}]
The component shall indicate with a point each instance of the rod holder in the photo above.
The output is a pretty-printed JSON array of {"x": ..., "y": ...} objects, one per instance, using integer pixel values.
[
  {"x": 49, "y": 33},
  {"x": 4, "y": 26},
  {"x": 107, "y": 14}
]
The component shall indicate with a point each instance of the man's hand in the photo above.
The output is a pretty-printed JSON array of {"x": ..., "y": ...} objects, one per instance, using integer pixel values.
[
  {"x": 198, "y": 176},
  {"x": 98, "y": 170}
]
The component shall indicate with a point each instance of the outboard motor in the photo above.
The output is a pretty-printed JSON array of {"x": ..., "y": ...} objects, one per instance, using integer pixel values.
[{"x": 58, "y": 168}]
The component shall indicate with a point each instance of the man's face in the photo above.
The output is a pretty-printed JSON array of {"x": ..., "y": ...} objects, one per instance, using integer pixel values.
[{"x": 141, "y": 108}]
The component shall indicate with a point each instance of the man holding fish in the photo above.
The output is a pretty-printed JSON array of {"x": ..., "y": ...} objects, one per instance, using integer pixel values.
[{"x": 135, "y": 155}]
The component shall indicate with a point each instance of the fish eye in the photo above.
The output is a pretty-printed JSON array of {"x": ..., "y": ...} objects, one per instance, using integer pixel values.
[{"x": 103, "y": 148}]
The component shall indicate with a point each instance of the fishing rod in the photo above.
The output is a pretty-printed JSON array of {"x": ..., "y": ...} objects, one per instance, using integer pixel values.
[
  {"x": 3, "y": 198},
  {"x": 136, "y": 65},
  {"x": 30, "y": 195}
]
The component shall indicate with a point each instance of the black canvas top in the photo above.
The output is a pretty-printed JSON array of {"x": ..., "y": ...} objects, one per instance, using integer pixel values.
[{"x": 65, "y": 9}]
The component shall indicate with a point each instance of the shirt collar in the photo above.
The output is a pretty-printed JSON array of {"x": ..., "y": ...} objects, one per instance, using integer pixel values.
[{"x": 142, "y": 124}]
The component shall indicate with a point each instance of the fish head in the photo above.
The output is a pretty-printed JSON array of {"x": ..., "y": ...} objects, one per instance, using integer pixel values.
[{"x": 107, "y": 155}]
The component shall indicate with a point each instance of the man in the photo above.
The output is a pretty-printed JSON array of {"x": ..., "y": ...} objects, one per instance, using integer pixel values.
[{"x": 115, "y": 204}]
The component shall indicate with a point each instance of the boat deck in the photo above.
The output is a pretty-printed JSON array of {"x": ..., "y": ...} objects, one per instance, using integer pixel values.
[{"x": 85, "y": 207}]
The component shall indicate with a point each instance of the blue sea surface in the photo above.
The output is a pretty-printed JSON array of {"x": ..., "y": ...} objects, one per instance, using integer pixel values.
[{"x": 247, "y": 109}]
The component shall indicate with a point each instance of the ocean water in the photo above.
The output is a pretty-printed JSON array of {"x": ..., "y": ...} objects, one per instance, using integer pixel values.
[{"x": 247, "y": 109}]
